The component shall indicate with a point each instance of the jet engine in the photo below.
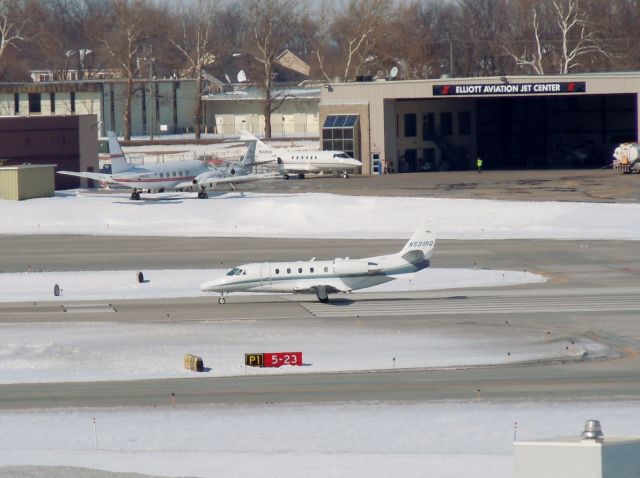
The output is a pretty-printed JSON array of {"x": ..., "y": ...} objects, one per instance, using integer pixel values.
[
  {"x": 346, "y": 267},
  {"x": 202, "y": 177}
]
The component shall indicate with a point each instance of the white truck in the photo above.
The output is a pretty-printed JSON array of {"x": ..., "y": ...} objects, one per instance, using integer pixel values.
[{"x": 627, "y": 158}]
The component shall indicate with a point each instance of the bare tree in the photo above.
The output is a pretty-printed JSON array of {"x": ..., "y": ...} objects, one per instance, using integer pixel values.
[
  {"x": 194, "y": 42},
  {"x": 351, "y": 36},
  {"x": 122, "y": 40},
  {"x": 563, "y": 34},
  {"x": 578, "y": 38},
  {"x": 12, "y": 25},
  {"x": 273, "y": 23}
]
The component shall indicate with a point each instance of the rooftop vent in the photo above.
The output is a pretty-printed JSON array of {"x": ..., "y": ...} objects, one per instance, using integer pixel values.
[{"x": 592, "y": 431}]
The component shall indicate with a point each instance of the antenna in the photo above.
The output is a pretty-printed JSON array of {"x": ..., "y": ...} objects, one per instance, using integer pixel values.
[
  {"x": 227, "y": 77},
  {"x": 242, "y": 76},
  {"x": 393, "y": 73}
]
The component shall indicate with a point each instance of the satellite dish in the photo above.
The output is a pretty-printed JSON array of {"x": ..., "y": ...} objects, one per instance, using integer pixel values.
[
  {"x": 393, "y": 73},
  {"x": 242, "y": 76}
]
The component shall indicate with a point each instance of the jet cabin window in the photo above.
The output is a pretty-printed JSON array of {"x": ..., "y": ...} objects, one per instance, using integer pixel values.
[{"x": 277, "y": 271}]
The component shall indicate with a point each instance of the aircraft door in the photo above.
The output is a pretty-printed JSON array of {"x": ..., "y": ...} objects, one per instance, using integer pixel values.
[{"x": 265, "y": 275}]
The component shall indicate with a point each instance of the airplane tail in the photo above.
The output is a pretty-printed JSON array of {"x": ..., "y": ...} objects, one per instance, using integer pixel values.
[
  {"x": 249, "y": 158},
  {"x": 264, "y": 151},
  {"x": 420, "y": 246},
  {"x": 118, "y": 159}
]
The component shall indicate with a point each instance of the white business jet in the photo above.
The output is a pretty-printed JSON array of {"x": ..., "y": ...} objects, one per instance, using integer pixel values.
[
  {"x": 300, "y": 162},
  {"x": 184, "y": 174},
  {"x": 327, "y": 277}
]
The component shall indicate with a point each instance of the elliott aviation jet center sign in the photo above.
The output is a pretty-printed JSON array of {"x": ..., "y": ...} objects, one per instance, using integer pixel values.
[{"x": 511, "y": 89}]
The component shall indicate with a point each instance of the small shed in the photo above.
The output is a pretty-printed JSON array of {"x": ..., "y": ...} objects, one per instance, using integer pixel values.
[{"x": 27, "y": 181}]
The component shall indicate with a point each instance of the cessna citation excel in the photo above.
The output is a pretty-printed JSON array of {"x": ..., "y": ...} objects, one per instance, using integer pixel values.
[
  {"x": 299, "y": 162},
  {"x": 327, "y": 277},
  {"x": 184, "y": 174}
]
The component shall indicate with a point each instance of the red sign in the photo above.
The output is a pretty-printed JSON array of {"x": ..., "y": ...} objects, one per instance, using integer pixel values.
[{"x": 274, "y": 359}]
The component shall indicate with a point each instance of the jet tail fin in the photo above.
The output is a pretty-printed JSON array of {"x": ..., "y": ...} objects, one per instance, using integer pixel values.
[
  {"x": 262, "y": 152},
  {"x": 119, "y": 162},
  {"x": 420, "y": 245},
  {"x": 249, "y": 158}
]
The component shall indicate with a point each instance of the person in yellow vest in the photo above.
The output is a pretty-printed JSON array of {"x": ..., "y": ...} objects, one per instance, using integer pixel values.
[{"x": 479, "y": 164}]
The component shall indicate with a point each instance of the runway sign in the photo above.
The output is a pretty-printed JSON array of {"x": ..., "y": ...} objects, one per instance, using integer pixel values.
[{"x": 273, "y": 359}]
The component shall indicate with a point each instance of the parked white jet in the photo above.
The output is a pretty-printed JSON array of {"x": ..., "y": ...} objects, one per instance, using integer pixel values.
[
  {"x": 183, "y": 174},
  {"x": 327, "y": 277},
  {"x": 300, "y": 162}
]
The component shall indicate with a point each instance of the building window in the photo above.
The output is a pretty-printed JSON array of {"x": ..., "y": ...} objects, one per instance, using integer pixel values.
[
  {"x": 34, "y": 103},
  {"x": 52, "y": 102},
  {"x": 446, "y": 123},
  {"x": 464, "y": 122},
  {"x": 339, "y": 133},
  {"x": 72, "y": 98},
  {"x": 16, "y": 103},
  {"x": 410, "y": 125},
  {"x": 428, "y": 126}
]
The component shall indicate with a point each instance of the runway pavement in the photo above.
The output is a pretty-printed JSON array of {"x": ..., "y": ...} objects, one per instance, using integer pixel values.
[{"x": 592, "y": 290}]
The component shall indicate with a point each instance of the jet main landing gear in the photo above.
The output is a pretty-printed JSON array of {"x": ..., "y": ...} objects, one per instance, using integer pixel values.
[{"x": 135, "y": 195}]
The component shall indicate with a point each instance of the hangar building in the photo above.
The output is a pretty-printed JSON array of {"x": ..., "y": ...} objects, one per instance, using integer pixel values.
[
  {"x": 68, "y": 142},
  {"x": 513, "y": 122}
]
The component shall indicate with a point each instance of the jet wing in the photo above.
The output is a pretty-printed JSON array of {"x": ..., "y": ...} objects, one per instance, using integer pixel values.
[
  {"x": 247, "y": 178},
  {"x": 109, "y": 178},
  {"x": 330, "y": 289},
  {"x": 94, "y": 176}
]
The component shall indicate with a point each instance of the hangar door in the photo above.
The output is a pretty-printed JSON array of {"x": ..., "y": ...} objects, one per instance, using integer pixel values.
[{"x": 553, "y": 132}]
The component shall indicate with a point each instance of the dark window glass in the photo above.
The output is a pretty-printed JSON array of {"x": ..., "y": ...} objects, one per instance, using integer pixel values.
[
  {"x": 351, "y": 120},
  {"x": 446, "y": 123},
  {"x": 16, "y": 103},
  {"x": 52, "y": 101},
  {"x": 329, "y": 121},
  {"x": 277, "y": 271},
  {"x": 72, "y": 98},
  {"x": 34, "y": 103},
  {"x": 410, "y": 125},
  {"x": 464, "y": 122}
]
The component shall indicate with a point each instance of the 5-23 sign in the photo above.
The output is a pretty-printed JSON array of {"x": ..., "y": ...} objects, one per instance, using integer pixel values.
[{"x": 273, "y": 359}]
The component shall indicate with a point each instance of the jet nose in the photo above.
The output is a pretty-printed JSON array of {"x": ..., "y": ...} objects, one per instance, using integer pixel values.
[{"x": 212, "y": 285}]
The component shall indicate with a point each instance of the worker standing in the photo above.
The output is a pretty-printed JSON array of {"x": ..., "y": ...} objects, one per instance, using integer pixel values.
[{"x": 479, "y": 164}]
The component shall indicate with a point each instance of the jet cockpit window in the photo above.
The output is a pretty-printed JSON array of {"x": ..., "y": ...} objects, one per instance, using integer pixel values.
[
  {"x": 341, "y": 155},
  {"x": 234, "y": 272}
]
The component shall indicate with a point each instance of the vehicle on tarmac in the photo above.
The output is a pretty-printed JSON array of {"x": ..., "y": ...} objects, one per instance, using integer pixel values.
[
  {"x": 627, "y": 158},
  {"x": 300, "y": 162},
  {"x": 177, "y": 175},
  {"x": 327, "y": 277}
]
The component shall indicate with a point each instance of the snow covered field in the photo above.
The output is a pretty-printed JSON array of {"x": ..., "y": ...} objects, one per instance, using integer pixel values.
[
  {"x": 435, "y": 439},
  {"x": 377, "y": 440},
  {"x": 314, "y": 215}
]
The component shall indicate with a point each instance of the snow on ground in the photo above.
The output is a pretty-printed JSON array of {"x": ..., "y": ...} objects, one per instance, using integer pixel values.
[
  {"x": 444, "y": 439},
  {"x": 435, "y": 439},
  {"x": 94, "y": 351},
  {"x": 314, "y": 215},
  {"x": 110, "y": 285}
]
